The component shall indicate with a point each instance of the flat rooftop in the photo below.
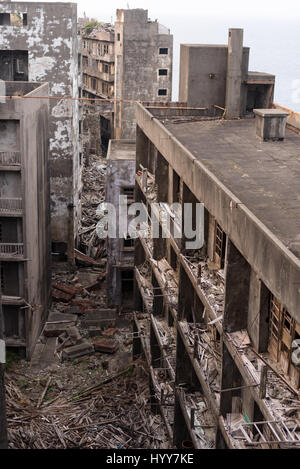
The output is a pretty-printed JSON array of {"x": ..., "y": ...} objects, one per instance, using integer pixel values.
[
  {"x": 265, "y": 176},
  {"x": 121, "y": 150}
]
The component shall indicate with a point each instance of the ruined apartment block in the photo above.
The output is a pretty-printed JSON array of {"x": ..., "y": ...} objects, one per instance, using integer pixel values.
[
  {"x": 98, "y": 60},
  {"x": 217, "y": 325},
  {"x": 38, "y": 42},
  {"x": 143, "y": 66},
  {"x": 24, "y": 214},
  {"x": 120, "y": 250}
]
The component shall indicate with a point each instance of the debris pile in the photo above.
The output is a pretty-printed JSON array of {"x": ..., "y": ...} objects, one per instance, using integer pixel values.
[
  {"x": 112, "y": 414},
  {"x": 94, "y": 176},
  {"x": 210, "y": 280}
]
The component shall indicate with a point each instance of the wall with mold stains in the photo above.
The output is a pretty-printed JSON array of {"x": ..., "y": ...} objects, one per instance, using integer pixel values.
[{"x": 50, "y": 37}]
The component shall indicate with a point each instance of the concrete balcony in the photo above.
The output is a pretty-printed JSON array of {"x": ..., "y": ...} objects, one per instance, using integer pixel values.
[
  {"x": 11, "y": 251},
  {"x": 94, "y": 72},
  {"x": 10, "y": 160},
  {"x": 11, "y": 207}
]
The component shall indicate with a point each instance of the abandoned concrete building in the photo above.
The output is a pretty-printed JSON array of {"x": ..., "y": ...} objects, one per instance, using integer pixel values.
[
  {"x": 217, "y": 325},
  {"x": 24, "y": 214},
  {"x": 38, "y": 42},
  {"x": 110, "y": 55},
  {"x": 212, "y": 332},
  {"x": 120, "y": 250},
  {"x": 98, "y": 61},
  {"x": 146, "y": 46}
]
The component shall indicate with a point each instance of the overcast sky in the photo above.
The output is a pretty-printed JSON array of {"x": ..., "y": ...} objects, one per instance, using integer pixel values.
[
  {"x": 191, "y": 8},
  {"x": 271, "y": 30}
]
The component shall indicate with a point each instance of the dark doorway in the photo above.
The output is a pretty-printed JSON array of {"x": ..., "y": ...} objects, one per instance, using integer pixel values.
[{"x": 127, "y": 288}]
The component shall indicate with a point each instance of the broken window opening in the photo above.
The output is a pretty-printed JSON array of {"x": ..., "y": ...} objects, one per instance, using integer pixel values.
[
  {"x": 220, "y": 246},
  {"x": 128, "y": 243},
  {"x": 129, "y": 192},
  {"x": 163, "y": 50},
  {"x": 13, "y": 19},
  {"x": 13, "y": 65},
  {"x": 283, "y": 330}
]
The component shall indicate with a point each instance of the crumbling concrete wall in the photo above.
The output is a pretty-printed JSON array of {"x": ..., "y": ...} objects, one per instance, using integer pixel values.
[
  {"x": 137, "y": 63},
  {"x": 120, "y": 174},
  {"x": 29, "y": 278},
  {"x": 203, "y": 73},
  {"x": 50, "y": 37}
]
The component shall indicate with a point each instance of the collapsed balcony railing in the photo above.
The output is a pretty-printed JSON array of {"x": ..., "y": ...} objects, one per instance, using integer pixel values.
[
  {"x": 266, "y": 433},
  {"x": 11, "y": 204},
  {"x": 10, "y": 158},
  {"x": 11, "y": 249}
]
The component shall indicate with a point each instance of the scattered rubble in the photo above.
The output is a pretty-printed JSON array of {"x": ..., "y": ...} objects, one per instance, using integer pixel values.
[
  {"x": 111, "y": 414},
  {"x": 93, "y": 195}
]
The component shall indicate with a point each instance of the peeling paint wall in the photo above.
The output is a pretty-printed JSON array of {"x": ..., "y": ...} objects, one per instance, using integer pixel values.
[
  {"x": 120, "y": 174},
  {"x": 50, "y": 37},
  {"x": 138, "y": 43}
]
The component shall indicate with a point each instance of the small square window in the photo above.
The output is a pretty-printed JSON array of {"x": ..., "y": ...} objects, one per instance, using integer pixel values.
[
  {"x": 163, "y": 50},
  {"x": 163, "y": 72},
  {"x": 162, "y": 92},
  {"x": 128, "y": 243},
  {"x": 129, "y": 192}
]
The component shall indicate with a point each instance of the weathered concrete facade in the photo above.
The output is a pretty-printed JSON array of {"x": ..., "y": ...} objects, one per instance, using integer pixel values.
[
  {"x": 219, "y": 323},
  {"x": 217, "y": 75},
  {"x": 47, "y": 38},
  {"x": 98, "y": 56},
  {"x": 143, "y": 66},
  {"x": 237, "y": 295},
  {"x": 120, "y": 250},
  {"x": 24, "y": 213}
]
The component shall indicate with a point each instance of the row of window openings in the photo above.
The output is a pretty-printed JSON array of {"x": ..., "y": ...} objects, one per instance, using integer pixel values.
[
  {"x": 283, "y": 329},
  {"x": 101, "y": 67},
  {"x": 102, "y": 49}
]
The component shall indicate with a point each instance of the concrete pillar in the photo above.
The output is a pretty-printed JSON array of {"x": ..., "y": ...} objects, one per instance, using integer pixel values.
[
  {"x": 231, "y": 379},
  {"x": 237, "y": 285},
  {"x": 137, "y": 349},
  {"x": 234, "y": 73},
  {"x": 162, "y": 178},
  {"x": 185, "y": 296},
  {"x": 258, "y": 313},
  {"x": 155, "y": 349},
  {"x": 141, "y": 148},
  {"x": 180, "y": 431},
  {"x": 159, "y": 245},
  {"x": 158, "y": 301}
]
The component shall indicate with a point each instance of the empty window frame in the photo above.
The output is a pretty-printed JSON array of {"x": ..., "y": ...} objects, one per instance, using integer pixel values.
[
  {"x": 162, "y": 92},
  {"x": 13, "y": 65},
  {"x": 129, "y": 192},
  {"x": 119, "y": 37},
  {"x": 163, "y": 50},
  {"x": 283, "y": 330},
  {"x": 220, "y": 244},
  {"x": 13, "y": 19},
  {"x": 128, "y": 244},
  {"x": 163, "y": 72}
]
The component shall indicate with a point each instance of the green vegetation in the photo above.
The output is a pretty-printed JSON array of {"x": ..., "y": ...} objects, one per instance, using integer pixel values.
[{"x": 90, "y": 26}]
